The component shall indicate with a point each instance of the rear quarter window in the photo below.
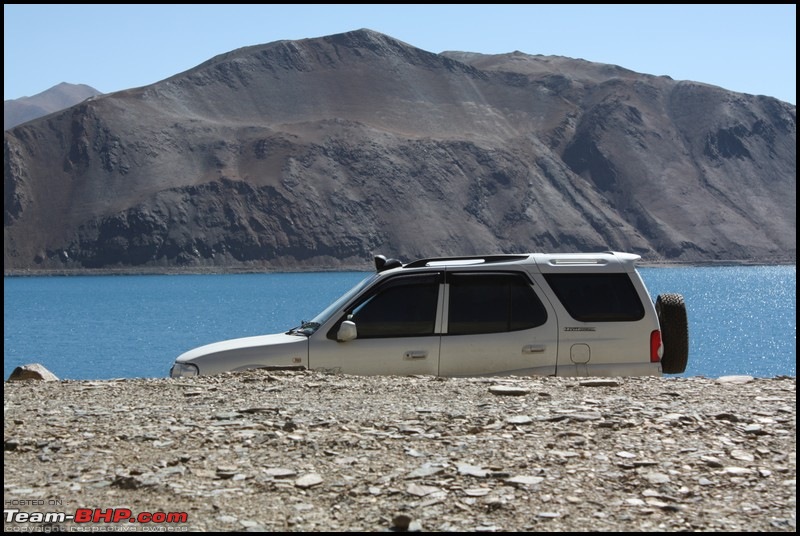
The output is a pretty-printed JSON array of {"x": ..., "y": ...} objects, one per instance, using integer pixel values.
[{"x": 597, "y": 297}]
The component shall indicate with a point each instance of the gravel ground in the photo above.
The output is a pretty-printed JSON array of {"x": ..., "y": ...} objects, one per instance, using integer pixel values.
[{"x": 303, "y": 451}]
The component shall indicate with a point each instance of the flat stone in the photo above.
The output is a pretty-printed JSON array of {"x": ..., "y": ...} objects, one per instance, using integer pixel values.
[
  {"x": 524, "y": 480},
  {"x": 742, "y": 455},
  {"x": 740, "y": 380},
  {"x": 226, "y": 415},
  {"x": 425, "y": 471},
  {"x": 421, "y": 491},
  {"x": 600, "y": 382},
  {"x": 471, "y": 470},
  {"x": 548, "y": 515},
  {"x": 519, "y": 419},
  {"x": 657, "y": 478},
  {"x": 711, "y": 461},
  {"x": 585, "y": 416},
  {"x": 477, "y": 492},
  {"x": 508, "y": 390},
  {"x": 738, "y": 471},
  {"x": 308, "y": 481}
]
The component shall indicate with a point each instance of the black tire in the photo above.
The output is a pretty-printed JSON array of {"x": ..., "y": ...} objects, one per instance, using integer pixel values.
[{"x": 671, "y": 311}]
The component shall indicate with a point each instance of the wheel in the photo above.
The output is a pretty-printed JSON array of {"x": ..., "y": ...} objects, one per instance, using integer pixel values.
[{"x": 671, "y": 311}]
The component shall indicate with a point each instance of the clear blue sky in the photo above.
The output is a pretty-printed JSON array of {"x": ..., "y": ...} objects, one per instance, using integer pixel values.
[{"x": 747, "y": 48}]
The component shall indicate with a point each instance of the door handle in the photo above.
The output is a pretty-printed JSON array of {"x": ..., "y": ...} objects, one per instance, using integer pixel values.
[
  {"x": 533, "y": 349},
  {"x": 415, "y": 354}
]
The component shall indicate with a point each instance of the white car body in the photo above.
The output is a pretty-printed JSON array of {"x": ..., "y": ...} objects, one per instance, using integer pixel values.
[{"x": 449, "y": 331}]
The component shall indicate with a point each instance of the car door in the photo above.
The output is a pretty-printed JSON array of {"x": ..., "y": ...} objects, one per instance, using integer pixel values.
[
  {"x": 496, "y": 324},
  {"x": 398, "y": 324}
]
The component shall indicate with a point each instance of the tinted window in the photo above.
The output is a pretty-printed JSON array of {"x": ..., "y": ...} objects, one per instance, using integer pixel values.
[
  {"x": 597, "y": 297},
  {"x": 492, "y": 303},
  {"x": 401, "y": 307}
]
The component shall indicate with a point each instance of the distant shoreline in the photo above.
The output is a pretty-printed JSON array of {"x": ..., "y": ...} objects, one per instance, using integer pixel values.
[{"x": 209, "y": 270}]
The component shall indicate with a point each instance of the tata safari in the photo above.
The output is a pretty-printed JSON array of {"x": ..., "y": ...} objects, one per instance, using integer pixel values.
[{"x": 552, "y": 314}]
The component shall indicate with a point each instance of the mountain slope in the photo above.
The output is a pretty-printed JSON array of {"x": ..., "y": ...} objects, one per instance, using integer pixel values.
[
  {"x": 321, "y": 152},
  {"x": 58, "y": 97}
]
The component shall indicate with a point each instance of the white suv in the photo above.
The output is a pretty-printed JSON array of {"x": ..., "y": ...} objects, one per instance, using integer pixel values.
[{"x": 577, "y": 314}]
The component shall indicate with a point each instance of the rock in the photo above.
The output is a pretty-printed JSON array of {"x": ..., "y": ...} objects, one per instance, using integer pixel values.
[
  {"x": 657, "y": 478},
  {"x": 742, "y": 455},
  {"x": 425, "y": 471},
  {"x": 738, "y": 471},
  {"x": 755, "y": 429},
  {"x": 401, "y": 522},
  {"x": 600, "y": 382},
  {"x": 421, "y": 491},
  {"x": 280, "y": 472},
  {"x": 33, "y": 371},
  {"x": 519, "y": 419},
  {"x": 471, "y": 470},
  {"x": 735, "y": 379},
  {"x": 477, "y": 492},
  {"x": 308, "y": 481},
  {"x": 548, "y": 515},
  {"x": 508, "y": 390},
  {"x": 711, "y": 461},
  {"x": 227, "y": 415},
  {"x": 585, "y": 416},
  {"x": 525, "y": 480}
]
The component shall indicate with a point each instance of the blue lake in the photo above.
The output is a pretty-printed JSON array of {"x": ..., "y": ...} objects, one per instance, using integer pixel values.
[{"x": 742, "y": 319}]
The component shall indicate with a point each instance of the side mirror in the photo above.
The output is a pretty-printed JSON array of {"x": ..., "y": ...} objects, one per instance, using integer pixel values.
[{"x": 347, "y": 331}]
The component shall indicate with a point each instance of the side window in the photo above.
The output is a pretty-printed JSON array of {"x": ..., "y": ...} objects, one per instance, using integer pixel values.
[
  {"x": 404, "y": 306},
  {"x": 597, "y": 297},
  {"x": 492, "y": 303}
]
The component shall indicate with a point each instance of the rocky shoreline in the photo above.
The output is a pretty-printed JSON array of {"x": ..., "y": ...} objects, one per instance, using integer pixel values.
[
  {"x": 305, "y": 451},
  {"x": 363, "y": 267}
]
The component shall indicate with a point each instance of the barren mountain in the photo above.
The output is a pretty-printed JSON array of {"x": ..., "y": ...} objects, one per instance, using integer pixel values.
[
  {"x": 320, "y": 152},
  {"x": 63, "y": 95}
]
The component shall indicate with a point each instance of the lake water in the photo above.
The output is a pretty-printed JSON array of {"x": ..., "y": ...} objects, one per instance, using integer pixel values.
[{"x": 742, "y": 320}]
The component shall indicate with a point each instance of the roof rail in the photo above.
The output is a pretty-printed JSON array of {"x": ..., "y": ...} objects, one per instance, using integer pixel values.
[{"x": 487, "y": 259}]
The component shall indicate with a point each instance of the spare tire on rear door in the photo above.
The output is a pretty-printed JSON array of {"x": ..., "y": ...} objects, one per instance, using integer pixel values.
[{"x": 671, "y": 312}]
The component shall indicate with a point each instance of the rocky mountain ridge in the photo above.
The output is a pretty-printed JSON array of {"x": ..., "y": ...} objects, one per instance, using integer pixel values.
[
  {"x": 319, "y": 153},
  {"x": 54, "y": 99}
]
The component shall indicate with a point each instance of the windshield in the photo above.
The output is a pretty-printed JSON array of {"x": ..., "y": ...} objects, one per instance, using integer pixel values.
[{"x": 307, "y": 328}]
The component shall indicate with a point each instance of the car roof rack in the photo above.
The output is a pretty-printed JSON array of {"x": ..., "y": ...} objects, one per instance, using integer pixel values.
[{"x": 478, "y": 259}]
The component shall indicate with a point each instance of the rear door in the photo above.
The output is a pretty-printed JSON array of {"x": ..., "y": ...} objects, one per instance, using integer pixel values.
[
  {"x": 398, "y": 324},
  {"x": 606, "y": 328},
  {"x": 496, "y": 323}
]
